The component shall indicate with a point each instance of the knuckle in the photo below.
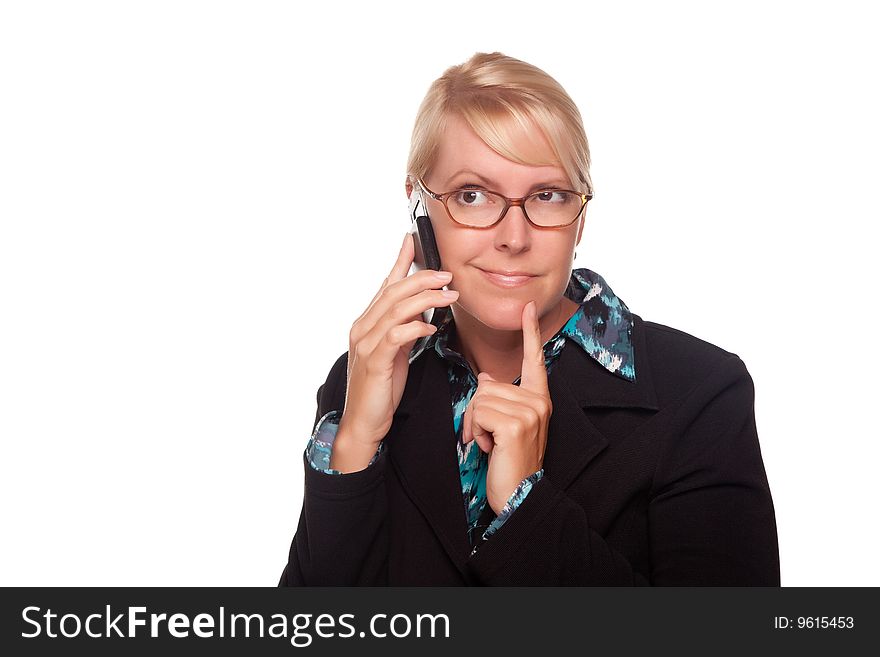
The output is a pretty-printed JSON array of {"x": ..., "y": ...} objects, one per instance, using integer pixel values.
[
  {"x": 538, "y": 419},
  {"x": 360, "y": 351},
  {"x": 545, "y": 408},
  {"x": 529, "y": 421},
  {"x": 396, "y": 312},
  {"x": 354, "y": 335},
  {"x": 394, "y": 334}
]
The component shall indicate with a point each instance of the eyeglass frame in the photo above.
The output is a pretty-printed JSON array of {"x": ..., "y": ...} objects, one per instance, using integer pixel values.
[{"x": 508, "y": 203}]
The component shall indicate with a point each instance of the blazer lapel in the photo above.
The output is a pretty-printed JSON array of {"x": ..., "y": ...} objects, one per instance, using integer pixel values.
[
  {"x": 422, "y": 451},
  {"x": 579, "y": 382}
]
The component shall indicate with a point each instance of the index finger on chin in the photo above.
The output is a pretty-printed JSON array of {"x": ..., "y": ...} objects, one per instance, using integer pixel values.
[{"x": 534, "y": 372}]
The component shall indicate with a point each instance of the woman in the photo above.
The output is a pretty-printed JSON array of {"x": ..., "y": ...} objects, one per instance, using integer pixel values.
[{"x": 543, "y": 434}]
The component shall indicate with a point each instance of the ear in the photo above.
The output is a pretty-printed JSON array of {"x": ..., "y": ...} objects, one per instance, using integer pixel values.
[{"x": 409, "y": 187}]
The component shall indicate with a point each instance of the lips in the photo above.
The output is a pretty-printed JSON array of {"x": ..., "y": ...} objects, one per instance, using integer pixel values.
[{"x": 507, "y": 278}]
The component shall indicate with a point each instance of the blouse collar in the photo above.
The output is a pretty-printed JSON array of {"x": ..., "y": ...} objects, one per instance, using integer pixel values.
[{"x": 602, "y": 326}]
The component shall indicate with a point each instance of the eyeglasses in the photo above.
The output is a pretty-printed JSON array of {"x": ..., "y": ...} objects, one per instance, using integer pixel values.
[{"x": 479, "y": 208}]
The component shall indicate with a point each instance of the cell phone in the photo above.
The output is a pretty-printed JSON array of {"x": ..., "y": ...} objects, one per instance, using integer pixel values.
[{"x": 427, "y": 256}]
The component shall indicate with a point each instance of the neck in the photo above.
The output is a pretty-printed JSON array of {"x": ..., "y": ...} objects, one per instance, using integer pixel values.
[{"x": 499, "y": 352}]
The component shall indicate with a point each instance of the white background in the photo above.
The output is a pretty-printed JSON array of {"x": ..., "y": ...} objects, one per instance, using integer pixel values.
[{"x": 198, "y": 199}]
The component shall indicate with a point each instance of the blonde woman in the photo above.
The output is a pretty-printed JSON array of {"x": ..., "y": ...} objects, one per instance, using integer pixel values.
[{"x": 543, "y": 434}]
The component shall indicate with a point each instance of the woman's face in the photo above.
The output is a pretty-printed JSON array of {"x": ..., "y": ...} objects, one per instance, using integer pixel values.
[{"x": 512, "y": 245}]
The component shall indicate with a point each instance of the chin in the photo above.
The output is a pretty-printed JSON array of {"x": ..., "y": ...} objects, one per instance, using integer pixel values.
[{"x": 500, "y": 314}]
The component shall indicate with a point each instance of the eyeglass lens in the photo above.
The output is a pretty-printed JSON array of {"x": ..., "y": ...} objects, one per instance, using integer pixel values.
[{"x": 548, "y": 208}]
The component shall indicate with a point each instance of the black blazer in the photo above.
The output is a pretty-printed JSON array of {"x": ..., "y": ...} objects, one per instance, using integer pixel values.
[{"x": 654, "y": 482}]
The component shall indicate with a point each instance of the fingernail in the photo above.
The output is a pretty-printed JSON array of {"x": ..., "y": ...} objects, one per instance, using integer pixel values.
[
  {"x": 449, "y": 294},
  {"x": 443, "y": 275}
]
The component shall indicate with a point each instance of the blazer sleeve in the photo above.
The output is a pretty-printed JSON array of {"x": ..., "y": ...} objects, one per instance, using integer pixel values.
[
  {"x": 341, "y": 538},
  {"x": 710, "y": 516}
]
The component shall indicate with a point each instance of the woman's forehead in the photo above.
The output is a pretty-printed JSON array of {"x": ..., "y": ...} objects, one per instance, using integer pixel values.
[
  {"x": 525, "y": 138},
  {"x": 528, "y": 153}
]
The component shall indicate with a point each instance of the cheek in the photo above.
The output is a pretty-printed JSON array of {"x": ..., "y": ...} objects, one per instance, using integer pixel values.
[{"x": 457, "y": 251}]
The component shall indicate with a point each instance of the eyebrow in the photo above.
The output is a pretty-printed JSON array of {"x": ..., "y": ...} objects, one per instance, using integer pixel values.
[{"x": 560, "y": 182}]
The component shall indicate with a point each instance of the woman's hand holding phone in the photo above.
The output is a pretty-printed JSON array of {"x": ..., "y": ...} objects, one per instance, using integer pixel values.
[{"x": 380, "y": 342}]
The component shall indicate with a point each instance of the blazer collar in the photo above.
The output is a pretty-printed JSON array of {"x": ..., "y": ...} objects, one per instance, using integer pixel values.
[{"x": 422, "y": 439}]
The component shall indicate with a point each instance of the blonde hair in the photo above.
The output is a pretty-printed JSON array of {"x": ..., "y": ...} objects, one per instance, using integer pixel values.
[{"x": 498, "y": 96}]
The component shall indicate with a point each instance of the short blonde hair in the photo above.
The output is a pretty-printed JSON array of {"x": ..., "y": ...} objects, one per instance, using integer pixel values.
[{"x": 497, "y": 96}]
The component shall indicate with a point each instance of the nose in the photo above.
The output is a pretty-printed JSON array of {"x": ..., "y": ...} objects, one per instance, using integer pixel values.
[{"x": 513, "y": 232}]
